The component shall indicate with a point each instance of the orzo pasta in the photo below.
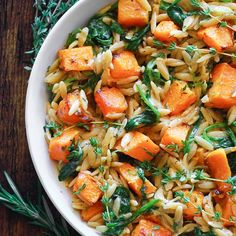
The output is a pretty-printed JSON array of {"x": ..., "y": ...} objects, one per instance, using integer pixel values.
[{"x": 141, "y": 118}]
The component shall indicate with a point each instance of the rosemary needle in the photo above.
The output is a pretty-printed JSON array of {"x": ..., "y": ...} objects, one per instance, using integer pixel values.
[
  {"x": 40, "y": 216},
  {"x": 46, "y": 15}
]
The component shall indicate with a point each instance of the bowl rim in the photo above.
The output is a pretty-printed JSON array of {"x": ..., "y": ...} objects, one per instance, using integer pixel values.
[{"x": 82, "y": 230}]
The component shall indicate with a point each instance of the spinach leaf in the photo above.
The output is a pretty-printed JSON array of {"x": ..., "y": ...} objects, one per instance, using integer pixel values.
[
  {"x": 72, "y": 37},
  {"x": 222, "y": 142},
  {"x": 192, "y": 134},
  {"x": 176, "y": 14},
  {"x": 124, "y": 195},
  {"x": 91, "y": 82},
  {"x": 99, "y": 33},
  {"x": 164, "y": 5},
  {"x": 116, "y": 226},
  {"x": 147, "y": 101},
  {"x": 150, "y": 74},
  {"x": 116, "y": 28},
  {"x": 198, "y": 232},
  {"x": 232, "y": 162},
  {"x": 135, "y": 41},
  {"x": 69, "y": 83},
  {"x": 147, "y": 117},
  {"x": 75, "y": 157}
]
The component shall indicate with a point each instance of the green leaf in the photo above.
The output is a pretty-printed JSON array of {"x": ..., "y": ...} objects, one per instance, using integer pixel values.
[
  {"x": 135, "y": 41},
  {"x": 116, "y": 226},
  {"x": 148, "y": 117},
  {"x": 75, "y": 157},
  {"x": 172, "y": 46},
  {"x": 72, "y": 37},
  {"x": 164, "y": 5},
  {"x": 176, "y": 14},
  {"x": 148, "y": 102},
  {"x": 124, "y": 195},
  {"x": 192, "y": 134},
  {"x": 53, "y": 128},
  {"x": 80, "y": 189},
  {"x": 195, "y": 3},
  {"x": 152, "y": 74},
  {"x": 91, "y": 82},
  {"x": 221, "y": 142},
  {"x": 116, "y": 28},
  {"x": 99, "y": 33},
  {"x": 190, "y": 49}
]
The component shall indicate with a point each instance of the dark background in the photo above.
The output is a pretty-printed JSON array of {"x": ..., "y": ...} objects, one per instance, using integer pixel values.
[{"x": 16, "y": 17}]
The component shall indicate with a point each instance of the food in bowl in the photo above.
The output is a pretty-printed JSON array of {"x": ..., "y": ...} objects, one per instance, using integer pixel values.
[{"x": 141, "y": 118}]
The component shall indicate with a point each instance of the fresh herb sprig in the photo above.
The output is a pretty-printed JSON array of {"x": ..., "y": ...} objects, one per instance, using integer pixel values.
[
  {"x": 46, "y": 16},
  {"x": 74, "y": 158},
  {"x": 39, "y": 215},
  {"x": 206, "y": 11},
  {"x": 180, "y": 195},
  {"x": 191, "y": 49}
]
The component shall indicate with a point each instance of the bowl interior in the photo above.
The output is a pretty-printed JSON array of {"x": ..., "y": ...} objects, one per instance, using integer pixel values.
[{"x": 36, "y": 99}]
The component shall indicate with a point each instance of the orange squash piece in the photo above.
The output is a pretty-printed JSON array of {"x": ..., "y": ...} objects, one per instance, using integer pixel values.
[
  {"x": 139, "y": 146},
  {"x": 131, "y": 13},
  {"x": 224, "y": 85},
  {"x": 196, "y": 199},
  {"x": 151, "y": 217},
  {"x": 163, "y": 31},
  {"x": 91, "y": 211},
  {"x": 89, "y": 191},
  {"x": 146, "y": 228},
  {"x": 218, "y": 166},
  {"x": 129, "y": 173},
  {"x": 228, "y": 210},
  {"x": 179, "y": 97},
  {"x": 220, "y": 38},
  {"x": 64, "y": 107},
  {"x": 58, "y": 146},
  {"x": 76, "y": 59},
  {"x": 175, "y": 135},
  {"x": 110, "y": 101},
  {"x": 124, "y": 65}
]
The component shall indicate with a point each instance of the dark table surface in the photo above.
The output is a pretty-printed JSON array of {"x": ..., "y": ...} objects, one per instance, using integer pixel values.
[{"x": 16, "y": 17}]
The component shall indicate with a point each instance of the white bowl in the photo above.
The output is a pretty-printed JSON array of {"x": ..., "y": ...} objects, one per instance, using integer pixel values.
[{"x": 76, "y": 16}]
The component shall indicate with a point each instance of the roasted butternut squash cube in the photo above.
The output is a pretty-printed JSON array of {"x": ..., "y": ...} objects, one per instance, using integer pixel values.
[
  {"x": 179, "y": 97},
  {"x": 76, "y": 59},
  {"x": 80, "y": 115},
  {"x": 220, "y": 38},
  {"x": 110, "y": 101},
  {"x": 146, "y": 227},
  {"x": 195, "y": 199},
  {"x": 58, "y": 146},
  {"x": 174, "y": 136},
  {"x": 222, "y": 93},
  {"x": 138, "y": 146},
  {"x": 219, "y": 168},
  {"x": 228, "y": 210},
  {"x": 124, "y": 65},
  {"x": 129, "y": 173},
  {"x": 87, "y": 189},
  {"x": 91, "y": 211},
  {"x": 132, "y": 13},
  {"x": 163, "y": 31}
]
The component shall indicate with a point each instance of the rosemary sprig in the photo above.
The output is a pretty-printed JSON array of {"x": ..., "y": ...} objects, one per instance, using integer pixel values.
[
  {"x": 40, "y": 216},
  {"x": 47, "y": 14}
]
